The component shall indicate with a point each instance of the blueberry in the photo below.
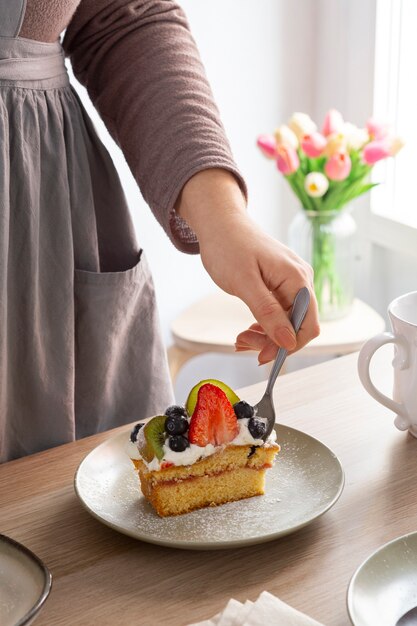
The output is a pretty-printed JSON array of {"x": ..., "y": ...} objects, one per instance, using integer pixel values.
[
  {"x": 176, "y": 411},
  {"x": 176, "y": 425},
  {"x": 178, "y": 443},
  {"x": 134, "y": 433},
  {"x": 256, "y": 428},
  {"x": 243, "y": 410}
]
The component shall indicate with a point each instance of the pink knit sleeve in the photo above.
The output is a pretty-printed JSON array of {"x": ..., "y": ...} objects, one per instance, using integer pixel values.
[{"x": 144, "y": 75}]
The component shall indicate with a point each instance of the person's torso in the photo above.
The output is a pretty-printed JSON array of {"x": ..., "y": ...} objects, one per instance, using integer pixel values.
[{"x": 44, "y": 20}]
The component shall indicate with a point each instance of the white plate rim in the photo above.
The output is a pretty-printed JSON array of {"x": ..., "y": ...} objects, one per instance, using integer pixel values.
[
  {"x": 47, "y": 586},
  {"x": 350, "y": 590},
  {"x": 216, "y": 545}
]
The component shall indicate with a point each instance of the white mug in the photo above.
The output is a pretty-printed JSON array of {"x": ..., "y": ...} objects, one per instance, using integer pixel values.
[{"x": 403, "y": 316}]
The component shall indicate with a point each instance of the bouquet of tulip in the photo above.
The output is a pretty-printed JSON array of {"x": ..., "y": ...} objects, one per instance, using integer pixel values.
[{"x": 326, "y": 170}]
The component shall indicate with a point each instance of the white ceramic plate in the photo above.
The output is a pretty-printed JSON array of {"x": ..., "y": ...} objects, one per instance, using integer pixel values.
[
  {"x": 304, "y": 483},
  {"x": 384, "y": 587},
  {"x": 25, "y": 584}
]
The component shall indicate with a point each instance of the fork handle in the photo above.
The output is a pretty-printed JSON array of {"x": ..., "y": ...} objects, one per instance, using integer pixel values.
[
  {"x": 298, "y": 313},
  {"x": 275, "y": 370}
]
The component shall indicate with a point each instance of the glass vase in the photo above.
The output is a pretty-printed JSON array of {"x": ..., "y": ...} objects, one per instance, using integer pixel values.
[{"x": 326, "y": 240}]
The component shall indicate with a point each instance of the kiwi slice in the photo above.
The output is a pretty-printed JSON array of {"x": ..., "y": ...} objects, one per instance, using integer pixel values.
[
  {"x": 154, "y": 438},
  {"x": 192, "y": 396}
]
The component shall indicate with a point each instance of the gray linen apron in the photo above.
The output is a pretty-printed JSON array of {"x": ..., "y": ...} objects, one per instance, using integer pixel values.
[{"x": 80, "y": 344}]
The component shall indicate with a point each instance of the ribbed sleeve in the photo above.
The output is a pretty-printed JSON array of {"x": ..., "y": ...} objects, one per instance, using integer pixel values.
[{"x": 142, "y": 70}]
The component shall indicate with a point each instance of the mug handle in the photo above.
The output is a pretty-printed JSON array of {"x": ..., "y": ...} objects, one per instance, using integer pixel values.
[{"x": 402, "y": 421}]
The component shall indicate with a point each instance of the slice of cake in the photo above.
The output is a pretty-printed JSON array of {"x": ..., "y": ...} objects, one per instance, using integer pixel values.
[{"x": 207, "y": 453}]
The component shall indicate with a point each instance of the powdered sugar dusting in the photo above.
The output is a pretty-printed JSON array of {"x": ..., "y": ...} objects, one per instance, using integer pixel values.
[{"x": 304, "y": 482}]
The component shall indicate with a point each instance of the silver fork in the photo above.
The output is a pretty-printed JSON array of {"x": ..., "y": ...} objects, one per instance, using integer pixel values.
[{"x": 265, "y": 407}]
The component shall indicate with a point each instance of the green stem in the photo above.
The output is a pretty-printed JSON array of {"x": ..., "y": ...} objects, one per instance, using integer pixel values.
[{"x": 326, "y": 280}]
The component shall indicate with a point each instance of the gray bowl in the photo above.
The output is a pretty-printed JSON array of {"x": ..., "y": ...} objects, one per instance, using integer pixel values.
[
  {"x": 384, "y": 587},
  {"x": 25, "y": 583}
]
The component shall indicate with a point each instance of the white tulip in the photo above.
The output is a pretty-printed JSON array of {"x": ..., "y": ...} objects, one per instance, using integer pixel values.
[
  {"x": 316, "y": 184},
  {"x": 336, "y": 142},
  {"x": 284, "y": 135},
  {"x": 396, "y": 144},
  {"x": 302, "y": 124},
  {"x": 356, "y": 137}
]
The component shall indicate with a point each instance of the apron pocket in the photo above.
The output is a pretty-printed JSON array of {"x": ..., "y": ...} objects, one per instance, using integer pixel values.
[{"x": 121, "y": 371}]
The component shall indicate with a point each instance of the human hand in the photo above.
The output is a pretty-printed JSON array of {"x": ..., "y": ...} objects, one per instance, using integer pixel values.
[
  {"x": 246, "y": 262},
  {"x": 266, "y": 275}
]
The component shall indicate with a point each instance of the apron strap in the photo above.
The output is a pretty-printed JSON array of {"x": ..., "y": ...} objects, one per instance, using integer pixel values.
[{"x": 12, "y": 13}]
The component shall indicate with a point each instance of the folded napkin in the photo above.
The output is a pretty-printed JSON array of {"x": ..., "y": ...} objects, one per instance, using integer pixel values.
[{"x": 267, "y": 610}]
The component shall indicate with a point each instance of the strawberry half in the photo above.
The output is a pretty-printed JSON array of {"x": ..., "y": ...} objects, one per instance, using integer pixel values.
[{"x": 214, "y": 420}]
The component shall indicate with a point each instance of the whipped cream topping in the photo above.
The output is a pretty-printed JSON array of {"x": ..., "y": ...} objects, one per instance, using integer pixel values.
[{"x": 194, "y": 453}]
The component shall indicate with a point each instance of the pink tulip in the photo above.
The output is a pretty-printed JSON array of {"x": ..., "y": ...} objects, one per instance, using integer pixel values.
[
  {"x": 376, "y": 151},
  {"x": 338, "y": 166},
  {"x": 377, "y": 129},
  {"x": 268, "y": 145},
  {"x": 313, "y": 144},
  {"x": 333, "y": 122},
  {"x": 287, "y": 159}
]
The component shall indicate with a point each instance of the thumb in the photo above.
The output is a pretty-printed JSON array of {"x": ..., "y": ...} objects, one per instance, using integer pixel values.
[{"x": 270, "y": 315}]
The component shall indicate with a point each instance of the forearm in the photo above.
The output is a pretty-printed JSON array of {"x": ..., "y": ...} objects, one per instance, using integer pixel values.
[
  {"x": 141, "y": 67},
  {"x": 211, "y": 201}
]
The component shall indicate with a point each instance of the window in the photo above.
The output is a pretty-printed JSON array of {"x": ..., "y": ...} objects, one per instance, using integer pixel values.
[{"x": 395, "y": 99}]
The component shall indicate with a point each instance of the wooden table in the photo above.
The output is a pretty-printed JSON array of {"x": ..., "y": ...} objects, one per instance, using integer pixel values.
[
  {"x": 102, "y": 577},
  {"x": 212, "y": 324}
]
